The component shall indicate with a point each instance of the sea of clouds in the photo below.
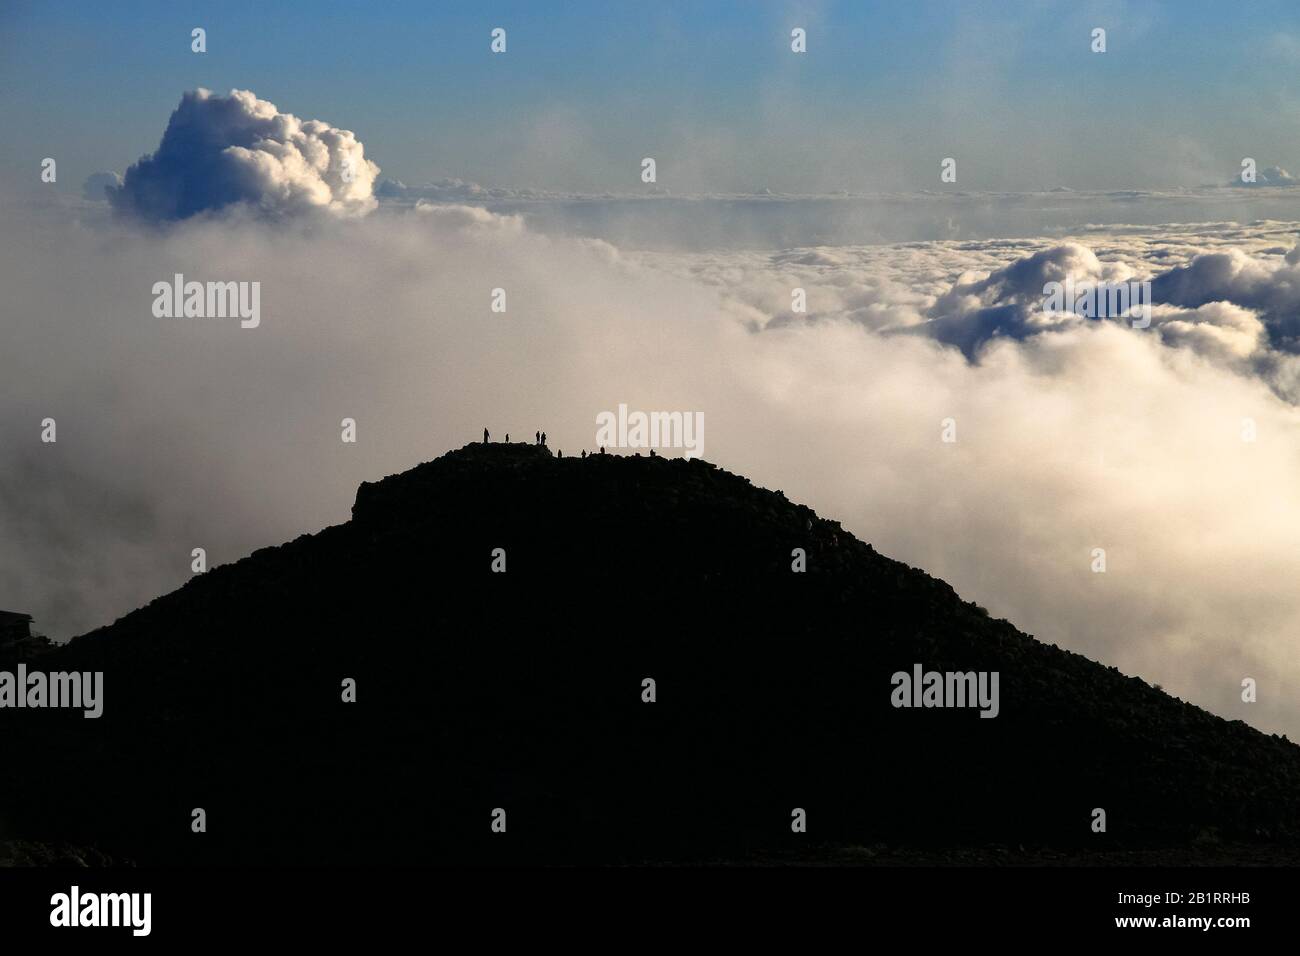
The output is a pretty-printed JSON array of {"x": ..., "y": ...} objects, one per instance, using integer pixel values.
[{"x": 1072, "y": 434}]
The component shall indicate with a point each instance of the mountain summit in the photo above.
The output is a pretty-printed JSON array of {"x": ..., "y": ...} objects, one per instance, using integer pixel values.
[{"x": 506, "y": 656}]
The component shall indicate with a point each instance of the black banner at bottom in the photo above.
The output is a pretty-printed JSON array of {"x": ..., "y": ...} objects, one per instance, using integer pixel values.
[{"x": 179, "y": 905}]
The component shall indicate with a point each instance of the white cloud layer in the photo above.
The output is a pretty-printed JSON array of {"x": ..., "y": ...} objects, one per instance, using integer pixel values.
[{"x": 1073, "y": 434}]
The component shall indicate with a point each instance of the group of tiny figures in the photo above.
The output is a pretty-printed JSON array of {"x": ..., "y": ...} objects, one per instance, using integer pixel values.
[{"x": 540, "y": 439}]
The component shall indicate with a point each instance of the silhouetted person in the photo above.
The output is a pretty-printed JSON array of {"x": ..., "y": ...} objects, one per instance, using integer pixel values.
[
  {"x": 560, "y": 454},
  {"x": 538, "y": 438},
  {"x": 485, "y": 436},
  {"x": 584, "y": 453},
  {"x": 652, "y": 452},
  {"x": 507, "y": 438},
  {"x": 543, "y": 438},
  {"x": 602, "y": 449}
]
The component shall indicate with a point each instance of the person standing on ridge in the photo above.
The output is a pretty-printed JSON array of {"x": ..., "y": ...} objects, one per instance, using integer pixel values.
[
  {"x": 485, "y": 436},
  {"x": 537, "y": 437},
  {"x": 543, "y": 438}
]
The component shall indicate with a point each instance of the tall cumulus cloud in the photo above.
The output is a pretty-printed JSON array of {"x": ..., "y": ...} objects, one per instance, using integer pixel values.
[{"x": 219, "y": 151}]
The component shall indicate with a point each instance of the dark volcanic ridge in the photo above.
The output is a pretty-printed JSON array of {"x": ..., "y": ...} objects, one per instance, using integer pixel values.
[{"x": 522, "y": 690}]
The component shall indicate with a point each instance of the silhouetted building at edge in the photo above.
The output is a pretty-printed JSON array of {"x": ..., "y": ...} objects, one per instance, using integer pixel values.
[{"x": 17, "y": 642}]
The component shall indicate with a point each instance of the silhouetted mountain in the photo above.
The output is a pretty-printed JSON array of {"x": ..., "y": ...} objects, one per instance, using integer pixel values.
[{"x": 523, "y": 690}]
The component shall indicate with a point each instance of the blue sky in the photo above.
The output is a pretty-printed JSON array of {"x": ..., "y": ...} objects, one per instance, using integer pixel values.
[{"x": 711, "y": 90}]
